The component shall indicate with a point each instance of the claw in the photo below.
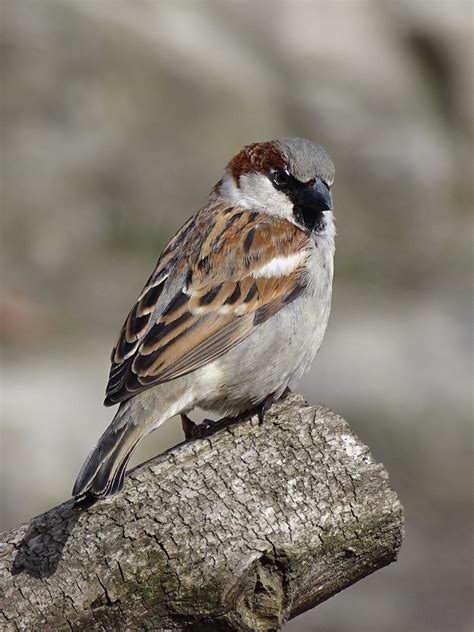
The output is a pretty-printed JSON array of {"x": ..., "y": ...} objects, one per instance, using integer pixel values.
[
  {"x": 190, "y": 429},
  {"x": 194, "y": 431},
  {"x": 265, "y": 407}
]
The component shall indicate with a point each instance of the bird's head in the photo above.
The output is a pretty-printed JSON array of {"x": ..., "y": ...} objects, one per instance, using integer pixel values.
[{"x": 289, "y": 178}]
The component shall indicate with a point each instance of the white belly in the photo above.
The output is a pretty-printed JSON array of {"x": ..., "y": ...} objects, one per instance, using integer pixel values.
[{"x": 280, "y": 350}]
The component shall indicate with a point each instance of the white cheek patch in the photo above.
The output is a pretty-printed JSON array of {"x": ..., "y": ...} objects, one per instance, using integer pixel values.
[
  {"x": 256, "y": 192},
  {"x": 232, "y": 192},
  {"x": 280, "y": 266}
]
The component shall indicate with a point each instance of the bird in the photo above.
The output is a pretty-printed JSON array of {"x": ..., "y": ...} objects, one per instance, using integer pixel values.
[{"x": 235, "y": 309}]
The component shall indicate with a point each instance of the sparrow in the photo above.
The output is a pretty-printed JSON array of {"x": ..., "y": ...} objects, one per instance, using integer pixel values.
[{"x": 235, "y": 309}]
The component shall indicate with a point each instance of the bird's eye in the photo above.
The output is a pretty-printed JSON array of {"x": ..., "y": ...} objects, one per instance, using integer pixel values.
[{"x": 280, "y": 178}]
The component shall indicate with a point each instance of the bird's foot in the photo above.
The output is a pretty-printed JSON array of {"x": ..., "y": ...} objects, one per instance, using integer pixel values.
[
  {"x": 267, "y": 403},
  {"x": 193, "y": 430},
  {"x": 264, "y": 407},
  {"x": 261, "y": 409}
]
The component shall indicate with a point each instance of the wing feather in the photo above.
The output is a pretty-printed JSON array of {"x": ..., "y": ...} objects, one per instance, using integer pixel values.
[{"x": 216, "y": 306}]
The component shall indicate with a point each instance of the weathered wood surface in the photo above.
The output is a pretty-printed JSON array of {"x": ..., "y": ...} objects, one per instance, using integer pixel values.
[{"x": 240, "y": 530}]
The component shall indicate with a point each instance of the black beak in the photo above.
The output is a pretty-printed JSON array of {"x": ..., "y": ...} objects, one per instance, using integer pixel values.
[
  {"x": 319, "y": 196},
  {"x": 310, "y": 200}
]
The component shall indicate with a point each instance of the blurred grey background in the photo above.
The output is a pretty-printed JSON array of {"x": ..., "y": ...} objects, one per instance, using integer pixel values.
[{"x": 117, "y": 119}]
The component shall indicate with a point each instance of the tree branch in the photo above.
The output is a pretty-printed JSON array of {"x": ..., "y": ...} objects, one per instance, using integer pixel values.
[{"x": 240, "y": 530}]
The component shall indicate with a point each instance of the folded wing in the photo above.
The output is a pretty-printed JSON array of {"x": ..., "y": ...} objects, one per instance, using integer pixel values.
[{"x": 239, "y": 270}]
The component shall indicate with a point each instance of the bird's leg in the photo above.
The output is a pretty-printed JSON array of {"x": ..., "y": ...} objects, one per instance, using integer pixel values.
[
  {"x": 268, "y": 402},
  {"x": 193, "y": 431},
  {"x": 190, "y": 429},
  {"x": 259, "y": 410},
  {"x": 210, "y": 425},
  {"x": 265, "y": 407}
]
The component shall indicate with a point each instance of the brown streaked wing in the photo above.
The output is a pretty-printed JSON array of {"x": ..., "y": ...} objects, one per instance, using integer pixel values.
[
  {"x": 219, "y": 308},
  {"x": 139, "y": 319},
  {"x": 212, "y": 334}
]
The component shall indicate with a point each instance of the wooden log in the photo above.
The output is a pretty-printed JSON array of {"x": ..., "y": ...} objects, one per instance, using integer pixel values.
[{"x": 240, "y": 530}]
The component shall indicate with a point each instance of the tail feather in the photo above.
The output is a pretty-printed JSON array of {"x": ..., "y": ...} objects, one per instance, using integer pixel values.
[
  {"x": 118, "y": 479},
  {"x": 103, "y": 472}
]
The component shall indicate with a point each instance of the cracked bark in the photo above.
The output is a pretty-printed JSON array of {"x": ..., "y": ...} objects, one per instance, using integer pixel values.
[{"x": 241, "y": 530}]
